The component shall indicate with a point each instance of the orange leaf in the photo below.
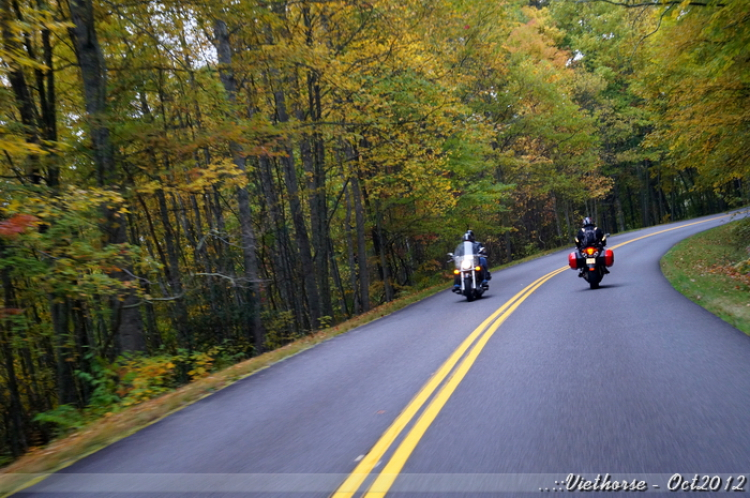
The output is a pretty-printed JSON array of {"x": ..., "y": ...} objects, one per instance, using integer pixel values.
[{"x": 16, "y": 224}]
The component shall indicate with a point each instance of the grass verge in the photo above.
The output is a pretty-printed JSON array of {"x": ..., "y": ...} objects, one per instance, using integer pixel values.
[
  {"x": 99, "y": 434},
  {"x": 703, "y": 269}
]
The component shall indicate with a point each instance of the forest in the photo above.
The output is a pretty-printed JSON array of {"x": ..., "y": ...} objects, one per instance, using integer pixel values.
[{"x": 187, "y": 184}]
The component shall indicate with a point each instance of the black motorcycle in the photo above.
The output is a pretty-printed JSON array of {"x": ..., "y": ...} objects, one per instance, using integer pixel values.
[
  {"x": 469, "y": 270},
  {"x": 592, "y": 261}
]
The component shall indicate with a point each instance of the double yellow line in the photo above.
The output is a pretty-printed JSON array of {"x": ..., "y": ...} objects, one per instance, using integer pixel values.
[
  {"x": 388, "y": 475},
  {"x": 484, "y": 332}
]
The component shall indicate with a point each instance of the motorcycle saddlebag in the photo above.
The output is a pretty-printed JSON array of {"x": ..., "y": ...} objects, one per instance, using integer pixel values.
[
  {"x": 572, "y": 261},
  {"x": 609, "y": 257}
]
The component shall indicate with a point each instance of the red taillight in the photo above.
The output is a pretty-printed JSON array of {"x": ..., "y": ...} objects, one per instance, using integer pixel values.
[{"x": 589, "y": 250}]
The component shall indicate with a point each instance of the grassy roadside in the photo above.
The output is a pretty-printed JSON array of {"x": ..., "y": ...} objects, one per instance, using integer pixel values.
[
  {"x": 65, "y": 451},
  {"x": 703, "y": 269}
]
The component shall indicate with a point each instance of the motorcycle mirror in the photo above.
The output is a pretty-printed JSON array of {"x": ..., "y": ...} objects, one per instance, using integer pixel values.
[{"x": 450, "y": 254}]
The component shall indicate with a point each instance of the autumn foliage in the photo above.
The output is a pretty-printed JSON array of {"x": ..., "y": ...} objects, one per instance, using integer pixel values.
[
  {"x": 187, "y": 184},
  {"x": 16, "y": 224}
]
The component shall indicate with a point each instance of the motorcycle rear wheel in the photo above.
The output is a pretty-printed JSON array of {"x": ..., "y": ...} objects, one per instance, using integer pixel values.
[{"x": 593, "y": 278}]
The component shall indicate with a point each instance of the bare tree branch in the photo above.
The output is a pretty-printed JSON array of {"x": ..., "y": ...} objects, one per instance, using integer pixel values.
[
  {"x": 152, "y": 299},
  {"x": 133, "y": 275},
  {"x": 658, "y": 26},
  {"x": 236, "y": 282},
  {"x": 220, "y": 275}
]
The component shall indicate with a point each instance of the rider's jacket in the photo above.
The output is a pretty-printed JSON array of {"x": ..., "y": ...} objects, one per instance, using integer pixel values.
[{"x": 590, "y": 234}]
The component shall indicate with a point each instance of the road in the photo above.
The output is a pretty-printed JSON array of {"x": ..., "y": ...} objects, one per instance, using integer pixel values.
[{"x": 631, "y": 380}]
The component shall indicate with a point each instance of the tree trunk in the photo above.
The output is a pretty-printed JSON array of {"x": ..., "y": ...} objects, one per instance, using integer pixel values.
[
  {"x": 126, "y": 317},
  {"x": 312, "y": 289},
  {"x": 364, "y": 274},
  {"x": 308, "y": 266},
  {"x": 66, "y": 392},
  {"x": 321, "y": 235},
  {"x": 356, "y": 301},
  {"x": 619, "y": 213},
  {"x": 17, "y": 434},
  {"x": 285, "y": 263},
  {"x": 18, "y": 441},
  {"x": 558, "y": 228},
  {"x": 645, "y": 197},
  {"x": 313, "y": 159},
  {"x": 24, "y": 101},
  {"x": 48, "y": 102},
  {"x": 318, "y": 219},
  {"x": 381, "y": 250},
  {"x": 224, "y": 53},
  {"x": 631, "y": 207},
  {"x": 568, "y": 225},
  {"x": 337, "y": 281},
  {"x": 180, "y": 314}
]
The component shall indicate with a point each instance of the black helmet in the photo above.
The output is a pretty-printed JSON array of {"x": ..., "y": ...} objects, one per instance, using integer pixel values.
[
  {"x": 469, "y": 236},
  {"x": 587, "y": 221}
]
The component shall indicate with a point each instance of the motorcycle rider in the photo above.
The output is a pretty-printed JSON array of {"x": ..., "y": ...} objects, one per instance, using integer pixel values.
[
  {"x": 590, "y": 235},
  {"x": 478, "y": 248}
]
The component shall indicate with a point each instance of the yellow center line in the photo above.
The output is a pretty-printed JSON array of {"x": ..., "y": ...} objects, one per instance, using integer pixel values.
[
  {"x": 391, "y": 471},
  {"x": 386, "y": 478},
  {"x": 365, "y": 466},
  {"x": 668, "y": 230}
]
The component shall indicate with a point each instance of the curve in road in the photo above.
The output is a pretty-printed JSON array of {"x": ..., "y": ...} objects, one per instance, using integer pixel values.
[{"x": 631, "y": 379}]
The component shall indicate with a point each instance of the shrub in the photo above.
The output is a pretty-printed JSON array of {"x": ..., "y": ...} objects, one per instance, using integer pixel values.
[
  {"x": 741, "y": 237},
  {"x": 741, "y": 233},
  {"x": 63, "y": 419},
  {"x": 142, "y": 378}
]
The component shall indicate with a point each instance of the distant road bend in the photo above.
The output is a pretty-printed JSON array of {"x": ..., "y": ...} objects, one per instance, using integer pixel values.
[{"x": 541, "y": 385}]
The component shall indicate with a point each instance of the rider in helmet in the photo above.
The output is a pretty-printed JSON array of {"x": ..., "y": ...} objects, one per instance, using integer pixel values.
[
  {"x": 478, "y": 249},
  {"x": 590, "y": 234}
]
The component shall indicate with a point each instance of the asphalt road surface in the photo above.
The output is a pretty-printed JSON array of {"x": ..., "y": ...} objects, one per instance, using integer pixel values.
[{"x": 517, "y": 393}]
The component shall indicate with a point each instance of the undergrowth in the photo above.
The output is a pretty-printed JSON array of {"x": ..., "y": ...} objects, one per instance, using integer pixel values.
[{"x": 132, "y": 379}]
